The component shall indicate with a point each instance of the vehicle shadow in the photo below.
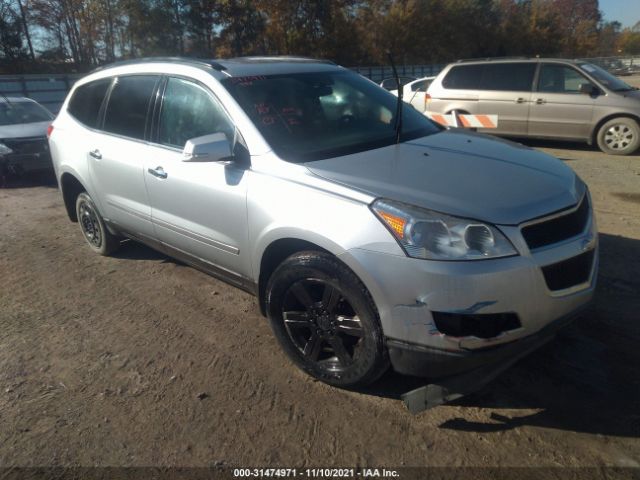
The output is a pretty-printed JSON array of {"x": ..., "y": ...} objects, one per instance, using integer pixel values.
[
  {"x": 558, "y": 144},
  {"x": 586, "y": 380},
  {"x": 570, "y": 147},
  {"x": 132, "y": 250}
]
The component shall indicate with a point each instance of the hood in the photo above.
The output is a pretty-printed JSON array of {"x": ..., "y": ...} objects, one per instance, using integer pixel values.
[
  {"x": 24, "y": 130},
  {"x": 463, "y": 174}
]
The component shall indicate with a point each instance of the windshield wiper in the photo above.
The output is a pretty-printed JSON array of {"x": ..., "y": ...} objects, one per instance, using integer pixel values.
[{"x": 398, "y": 125}]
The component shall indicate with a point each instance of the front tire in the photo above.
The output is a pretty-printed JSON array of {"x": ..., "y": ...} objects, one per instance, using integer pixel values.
[
  {"x": 619, "y": 136},
  {"x": 325, "y": 320},
  {"x": 93, "y": 228}
]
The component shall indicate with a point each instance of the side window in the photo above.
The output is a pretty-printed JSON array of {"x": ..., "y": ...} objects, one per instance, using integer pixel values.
[
  {"x": 560, "y": 79},
  {"x": 463, "y": 77},
  {"x": 420, "y": 86},
  {"x": 189, "y": 111},
  {"x": 85, "y": 104},
  {"x": 516, "y": 77},
  {"x": 129, "y": 102}
]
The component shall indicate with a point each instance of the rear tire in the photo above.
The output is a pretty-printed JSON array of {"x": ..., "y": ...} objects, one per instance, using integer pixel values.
[
  {"x": 325, "y": 320},
  {"x": 95, "y": 232},
  {"x": 619, "y": 136}
]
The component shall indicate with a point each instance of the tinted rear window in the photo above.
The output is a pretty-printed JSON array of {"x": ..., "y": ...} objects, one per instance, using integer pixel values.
[
  {"x": 508, "y": 76},
  {"x": 463, "y": 77},
  {"x": 499, "y": 76},
  {"x": 129, "y": 102},
  {"x": 86, "y": 101}
]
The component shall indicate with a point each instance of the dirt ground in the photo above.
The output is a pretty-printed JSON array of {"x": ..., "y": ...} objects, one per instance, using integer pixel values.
[{"x": 140, "y": 360}]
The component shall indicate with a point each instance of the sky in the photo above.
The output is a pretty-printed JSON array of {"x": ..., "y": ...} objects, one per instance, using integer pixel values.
[{"x": 627, "y": 12}]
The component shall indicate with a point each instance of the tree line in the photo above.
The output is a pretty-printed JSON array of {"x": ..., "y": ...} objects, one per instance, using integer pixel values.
[{"x": 78, "y": 35}]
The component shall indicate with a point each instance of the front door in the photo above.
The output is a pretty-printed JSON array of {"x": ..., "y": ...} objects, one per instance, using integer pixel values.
[
  {"x": 198, "y": 208},
  {"x": 558, "y": 109}
]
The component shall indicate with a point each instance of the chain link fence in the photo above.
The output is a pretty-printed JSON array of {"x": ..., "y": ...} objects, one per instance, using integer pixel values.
[{"x": 48, "y": 89}]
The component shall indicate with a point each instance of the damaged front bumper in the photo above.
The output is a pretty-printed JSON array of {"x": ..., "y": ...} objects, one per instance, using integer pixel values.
[
  {"x": 479, "y": 367},
  {"x": 420, "y": 360},
  {"x": 443, "y": 319}
]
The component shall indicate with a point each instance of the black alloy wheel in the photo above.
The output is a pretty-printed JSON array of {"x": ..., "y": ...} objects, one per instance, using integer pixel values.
[{"x": 325, "y": 320}]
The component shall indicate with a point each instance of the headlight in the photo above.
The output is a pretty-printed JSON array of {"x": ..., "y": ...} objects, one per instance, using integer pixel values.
[
  {"x": 435, "y": 236},
  {"x": 4, "y": 150}
]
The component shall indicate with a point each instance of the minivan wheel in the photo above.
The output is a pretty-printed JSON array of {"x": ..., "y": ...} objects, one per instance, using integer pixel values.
[
  {"x": 93, "y": 228},
  {"x": 325, "y": 320},
  {"x": 619, "y": 136}
]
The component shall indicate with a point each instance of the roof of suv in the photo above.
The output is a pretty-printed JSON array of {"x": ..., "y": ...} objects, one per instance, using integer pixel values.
[
  {"x": 517, "y": 59},
  {"x": 242, "y": 66}
]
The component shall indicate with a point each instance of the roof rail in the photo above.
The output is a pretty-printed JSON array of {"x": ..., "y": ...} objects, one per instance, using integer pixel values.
[
  {"x": 180, "y": 60},
  {"x": 281, "y": 58},
  {"x": 489, "y": 59}
]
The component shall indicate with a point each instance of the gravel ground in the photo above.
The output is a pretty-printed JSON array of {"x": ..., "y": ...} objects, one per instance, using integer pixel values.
[{"x": 139, "y": 360}]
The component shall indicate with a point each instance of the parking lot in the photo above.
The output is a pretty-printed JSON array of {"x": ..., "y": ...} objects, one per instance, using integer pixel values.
[{"x": 140, "y": 360}]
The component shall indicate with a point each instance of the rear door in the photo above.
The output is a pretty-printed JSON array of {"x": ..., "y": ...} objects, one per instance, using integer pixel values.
[
  {"x": 505, "y": 91},
  {"x": 198, "y": 208},
  {"x": 558, "y": 109},
  {"x": 116, "y": 154}
]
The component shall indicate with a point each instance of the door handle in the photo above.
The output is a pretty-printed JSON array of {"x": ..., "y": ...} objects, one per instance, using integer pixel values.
[
  {"x": 157, "y": 172},
  {"x": 540, "y": 101},
  {"x": 96, "y": 154},
  {"x": 520, "y": 100}
]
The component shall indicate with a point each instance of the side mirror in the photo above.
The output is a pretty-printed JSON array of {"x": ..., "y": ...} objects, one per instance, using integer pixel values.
[
  {"x": 208, "y": 148},
  {"x": 588, "y": 89}
]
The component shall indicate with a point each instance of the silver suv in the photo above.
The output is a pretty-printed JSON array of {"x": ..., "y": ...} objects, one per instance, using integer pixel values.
[
  {"x": 438, "y": 253},
  {"x": 544, "y": 98}
]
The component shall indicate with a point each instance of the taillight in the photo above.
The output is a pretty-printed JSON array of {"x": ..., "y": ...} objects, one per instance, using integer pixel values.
[
  {"x": 427, "y": 98},
  {"x": 49, "y": 131}
]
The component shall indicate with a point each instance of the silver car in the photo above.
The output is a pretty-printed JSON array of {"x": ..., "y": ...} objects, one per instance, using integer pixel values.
[
  {"x": 437, "y": 252},
  {"x": 543, "y": 98}
]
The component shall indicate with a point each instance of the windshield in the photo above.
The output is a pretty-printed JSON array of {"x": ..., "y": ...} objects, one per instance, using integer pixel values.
[
  {"x": 13, "y": 113},
  {"x": 311, "y": 116},
  {"x": 605, "y": 78}
]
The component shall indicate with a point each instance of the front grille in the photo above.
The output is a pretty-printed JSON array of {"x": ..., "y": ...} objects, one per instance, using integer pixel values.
[
  {"x": 27, "y": 146},
  {"x": 559, "y": 228},
  {"x": 481, "y": 325},
  {"x": 569, "y": 273}
]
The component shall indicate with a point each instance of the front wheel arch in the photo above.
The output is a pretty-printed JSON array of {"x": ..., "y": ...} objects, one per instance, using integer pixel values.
[
  {"x": 71, "y": 187},
  {"x": 276, "y": 253}
]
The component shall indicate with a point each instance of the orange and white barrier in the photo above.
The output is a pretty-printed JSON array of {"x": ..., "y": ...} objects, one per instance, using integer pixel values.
[{"x": 464, "y": 120}]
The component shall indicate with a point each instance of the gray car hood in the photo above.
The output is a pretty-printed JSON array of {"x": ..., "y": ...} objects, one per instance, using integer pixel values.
[
  {"x": 463, "y": 174},
  {"x": 24, "y": 130}
]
